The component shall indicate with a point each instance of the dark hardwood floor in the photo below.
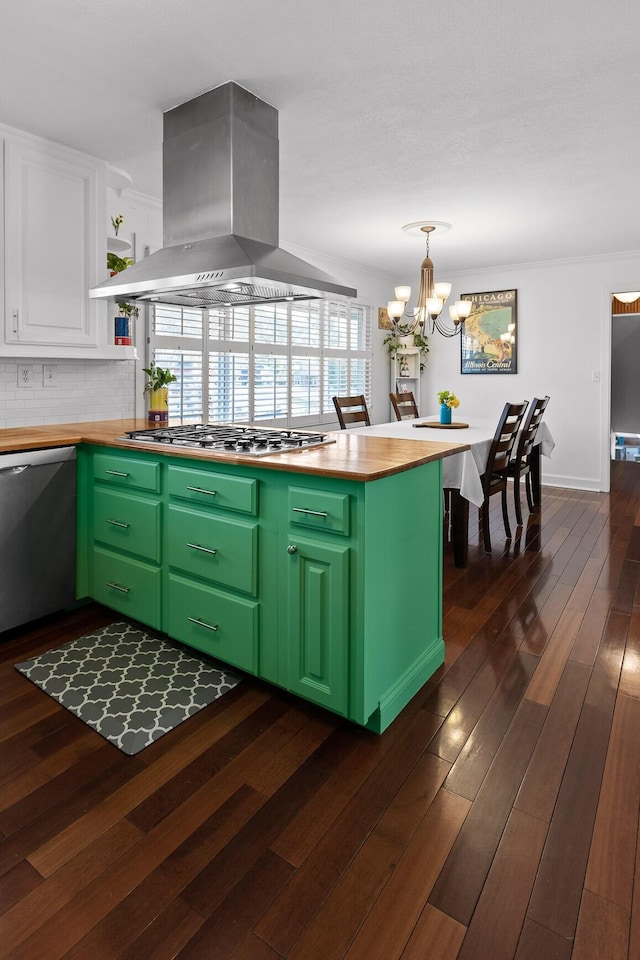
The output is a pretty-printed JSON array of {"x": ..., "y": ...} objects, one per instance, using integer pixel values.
[{"x": 496, "y": 818}]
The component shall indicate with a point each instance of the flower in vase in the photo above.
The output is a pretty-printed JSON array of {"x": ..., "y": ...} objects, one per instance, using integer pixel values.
[
  {"x": 445, "y": 396},
  {"x": 116, "y": 223}
]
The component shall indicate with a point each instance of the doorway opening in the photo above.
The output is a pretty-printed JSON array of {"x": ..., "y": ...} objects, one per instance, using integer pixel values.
[{"x": 625, "y": 383}]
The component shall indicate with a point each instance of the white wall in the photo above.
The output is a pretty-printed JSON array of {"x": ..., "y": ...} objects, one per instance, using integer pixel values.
[{"x": 564, "y": 341}]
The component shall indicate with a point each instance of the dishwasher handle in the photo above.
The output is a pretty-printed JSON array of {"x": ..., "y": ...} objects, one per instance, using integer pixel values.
[{"x": 16, "y": 463}]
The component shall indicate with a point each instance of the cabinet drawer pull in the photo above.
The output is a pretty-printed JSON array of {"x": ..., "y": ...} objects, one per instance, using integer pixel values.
[
  {"x": 116, "y": 473},
  {"x": 196, "y": 546},
  {"x": 117, "y": 523},
  {"x": 210, "y": 493},
  {"x": 311, "y": 513},
  {"x": 202, "y": 623},
  {"x": 116, "y": 586}
]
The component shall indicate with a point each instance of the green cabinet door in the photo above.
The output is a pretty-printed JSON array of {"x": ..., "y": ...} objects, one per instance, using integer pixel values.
[{"x": 318, "y": 622}]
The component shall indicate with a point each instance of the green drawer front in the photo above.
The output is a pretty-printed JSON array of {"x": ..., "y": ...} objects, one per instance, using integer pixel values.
[
  {"x": 127, "y": 472},
  {"x": 216, "y": 548},
  {"x": 214, "y": 489},
  {"x": 222, "y": 626},
  {"x": 319, "y": 510},
  {"x": 128, "y": 523},
  {"x": 127, "y": 585}
]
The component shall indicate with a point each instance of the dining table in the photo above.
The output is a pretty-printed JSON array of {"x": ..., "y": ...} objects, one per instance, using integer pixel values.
[{"x": 462, "y": 472}]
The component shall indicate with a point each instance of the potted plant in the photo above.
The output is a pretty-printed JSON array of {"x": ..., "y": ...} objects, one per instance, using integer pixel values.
[
  {"x": 395, "y": 341},
  {"x": 126, "y": 313},
  {"x": 116, "y": 264},
  {"x": 157, "y": 386}
]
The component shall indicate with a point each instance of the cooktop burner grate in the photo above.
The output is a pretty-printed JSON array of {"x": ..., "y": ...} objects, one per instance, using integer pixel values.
[{"x": 231, "y": 438}]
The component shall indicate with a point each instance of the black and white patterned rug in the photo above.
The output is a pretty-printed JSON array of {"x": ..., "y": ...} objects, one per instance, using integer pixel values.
[{"x": 129, "y": 686}]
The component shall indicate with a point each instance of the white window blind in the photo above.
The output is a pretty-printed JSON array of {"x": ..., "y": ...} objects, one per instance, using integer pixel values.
[{"x": 270, "y": 363}]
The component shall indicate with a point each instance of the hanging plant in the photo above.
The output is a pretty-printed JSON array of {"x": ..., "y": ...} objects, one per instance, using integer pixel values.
[
  {"x": 117, "y": 264},
  {"x": 392, "y": 343}
]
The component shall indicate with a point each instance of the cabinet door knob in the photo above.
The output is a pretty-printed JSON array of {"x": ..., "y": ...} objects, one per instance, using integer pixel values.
[{"x": 292, "y": 548}]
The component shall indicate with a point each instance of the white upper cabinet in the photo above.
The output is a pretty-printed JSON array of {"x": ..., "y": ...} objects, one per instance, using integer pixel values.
[{"x": 54, "y": 251}]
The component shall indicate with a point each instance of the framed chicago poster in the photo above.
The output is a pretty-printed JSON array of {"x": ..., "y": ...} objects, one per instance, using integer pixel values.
[{"x": 489, "y": 338}]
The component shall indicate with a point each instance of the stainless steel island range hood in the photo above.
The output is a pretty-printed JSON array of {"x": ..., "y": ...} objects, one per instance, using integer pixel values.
[{"x": 220, "y": 213}]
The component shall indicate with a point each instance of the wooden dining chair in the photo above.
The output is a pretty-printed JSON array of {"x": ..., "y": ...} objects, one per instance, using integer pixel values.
[
  {"x": 521, "y": 464},
  {"x": 495, "y": 477},
  {"x": 351, "y": 410},
  {"x": 404, "y": 406}
]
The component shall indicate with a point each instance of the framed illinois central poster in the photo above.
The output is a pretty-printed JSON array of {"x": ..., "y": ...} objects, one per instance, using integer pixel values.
[{"x": 489, "y": 338}]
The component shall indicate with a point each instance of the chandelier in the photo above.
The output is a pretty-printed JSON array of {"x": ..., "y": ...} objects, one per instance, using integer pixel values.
[{"x": 426, "y": 316}]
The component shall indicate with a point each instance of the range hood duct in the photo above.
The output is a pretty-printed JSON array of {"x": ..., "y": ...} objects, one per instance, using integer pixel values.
[{"x": 220, "y": 213}]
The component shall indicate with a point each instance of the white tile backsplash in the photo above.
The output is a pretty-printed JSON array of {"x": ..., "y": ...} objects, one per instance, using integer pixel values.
[{"x": 85, "y": 390}]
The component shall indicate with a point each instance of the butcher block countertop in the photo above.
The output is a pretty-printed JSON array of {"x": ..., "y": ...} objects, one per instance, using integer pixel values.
[{"x": 352, "y": 456}]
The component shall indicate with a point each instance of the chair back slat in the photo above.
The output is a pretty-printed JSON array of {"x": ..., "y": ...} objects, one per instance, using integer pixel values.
[
  {"x": 494, "y": 478},
  {"x": 351, "y": 410},
  {"x": 530, "y": 427},
  {"x": 404, "y": 405},
  {"x": 505, "y": 437}
]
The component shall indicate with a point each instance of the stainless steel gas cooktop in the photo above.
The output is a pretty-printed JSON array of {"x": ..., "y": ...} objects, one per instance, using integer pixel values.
[{"x": 231, "y": 438}]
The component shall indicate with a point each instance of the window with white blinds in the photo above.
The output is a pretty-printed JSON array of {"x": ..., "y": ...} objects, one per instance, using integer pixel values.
[{"x": 272, "y": 363}]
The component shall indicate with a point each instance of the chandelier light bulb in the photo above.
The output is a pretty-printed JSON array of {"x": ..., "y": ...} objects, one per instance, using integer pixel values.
[
  {"x": 463, "y": 308},
  {"x": 434, "y": 306},
  {"x": 442, "y": 290},
  {"x": 395, "y": 309},
  {"x": 403, "y": 293}
]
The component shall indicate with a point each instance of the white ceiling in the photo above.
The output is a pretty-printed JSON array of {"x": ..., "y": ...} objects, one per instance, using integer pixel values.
[{"x": 518, "y": 123}]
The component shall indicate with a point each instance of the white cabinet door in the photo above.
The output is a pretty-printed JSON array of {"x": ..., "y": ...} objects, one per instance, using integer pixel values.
[{"x": 52, "y": 245}]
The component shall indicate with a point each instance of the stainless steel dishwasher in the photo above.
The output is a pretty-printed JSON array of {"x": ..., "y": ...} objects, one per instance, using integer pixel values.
[{"x": 37, "y": 533}]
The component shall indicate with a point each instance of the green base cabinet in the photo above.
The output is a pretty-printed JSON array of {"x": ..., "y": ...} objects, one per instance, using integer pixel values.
[
  {"x": 318, "y": 623},
  {"x": 327, "y": 587}
]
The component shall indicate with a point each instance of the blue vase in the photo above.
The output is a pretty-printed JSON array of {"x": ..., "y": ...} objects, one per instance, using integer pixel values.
[{"x": 445, "y": 413}]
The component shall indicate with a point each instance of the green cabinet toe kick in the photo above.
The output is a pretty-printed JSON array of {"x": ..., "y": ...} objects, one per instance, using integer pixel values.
[{"x": 329, "y": 588}]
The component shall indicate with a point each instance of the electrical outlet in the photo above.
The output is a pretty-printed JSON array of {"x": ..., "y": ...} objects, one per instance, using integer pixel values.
[
  {"x": 25, "y": 376},
  {"x": 49, "y": 375}
]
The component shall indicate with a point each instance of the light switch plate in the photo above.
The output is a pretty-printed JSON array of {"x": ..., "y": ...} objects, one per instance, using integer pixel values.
[{"x": 50, "y": 375}]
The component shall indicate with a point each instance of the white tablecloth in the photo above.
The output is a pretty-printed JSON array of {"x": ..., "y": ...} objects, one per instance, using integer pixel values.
[{"x": 461, "y": 470}]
